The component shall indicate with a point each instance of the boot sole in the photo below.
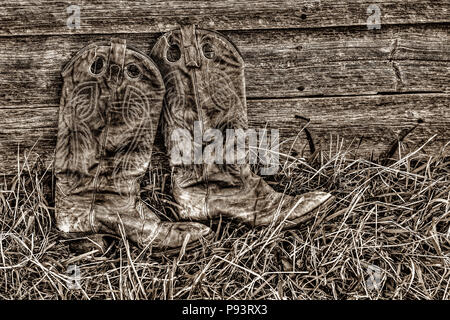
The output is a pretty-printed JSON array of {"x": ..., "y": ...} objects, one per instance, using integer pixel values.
[
  {"x": 160, "y": 252},
  {"x": 85, "y": 242}
]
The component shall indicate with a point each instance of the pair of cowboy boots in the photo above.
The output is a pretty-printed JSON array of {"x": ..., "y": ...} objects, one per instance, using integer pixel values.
[{"x": 111, "y": 103}]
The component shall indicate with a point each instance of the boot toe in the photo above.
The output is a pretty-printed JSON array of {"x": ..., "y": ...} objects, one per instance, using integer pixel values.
[
  {"x": 179, "y": 232},
  {"x": 307, "y": 206}
]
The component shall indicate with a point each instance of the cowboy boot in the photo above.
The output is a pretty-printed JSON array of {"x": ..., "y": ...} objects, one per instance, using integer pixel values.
[
  {"x": 110, "y": 106},
  {"x": 204, "y": 77}
]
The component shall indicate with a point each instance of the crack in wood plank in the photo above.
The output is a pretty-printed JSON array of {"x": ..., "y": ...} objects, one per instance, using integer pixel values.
[{"x": 395, "y": 67}]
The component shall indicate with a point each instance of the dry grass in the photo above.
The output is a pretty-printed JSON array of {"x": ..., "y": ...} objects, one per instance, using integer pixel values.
[{"x": 387, "y": 236}]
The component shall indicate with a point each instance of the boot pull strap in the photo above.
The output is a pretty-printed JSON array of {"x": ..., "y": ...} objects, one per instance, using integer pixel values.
[
  {"x": 116, "y": 60},
  {"x": 190, "y": 46}
]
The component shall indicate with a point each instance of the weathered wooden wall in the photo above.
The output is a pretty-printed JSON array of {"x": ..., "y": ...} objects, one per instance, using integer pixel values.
[{"x": 304, "y": 59}]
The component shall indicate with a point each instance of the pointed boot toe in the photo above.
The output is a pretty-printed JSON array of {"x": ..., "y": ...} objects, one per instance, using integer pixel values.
[
  {"x": 308, "y": 206},
  {"x": 177, "y": 233}
]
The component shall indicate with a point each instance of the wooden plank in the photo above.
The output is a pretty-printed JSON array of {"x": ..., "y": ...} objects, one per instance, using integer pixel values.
[
  {"x": 279, "y": 63},
  {"x": 345, "y": 62},
  {"x": 30, "y": 17},
  {"x": 371, "y": 123}
]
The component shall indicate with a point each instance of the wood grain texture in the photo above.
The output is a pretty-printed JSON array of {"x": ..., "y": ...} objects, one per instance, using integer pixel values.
[
  {"x": 281, "y": 63},
  {"x": 368, "y": 124},
  {"x": 314, "y": 59},
  {"x": 29, "y": 17}
]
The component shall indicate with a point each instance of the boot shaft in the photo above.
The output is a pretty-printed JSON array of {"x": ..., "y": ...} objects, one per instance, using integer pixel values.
[{"x": 205, "y": 88}]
